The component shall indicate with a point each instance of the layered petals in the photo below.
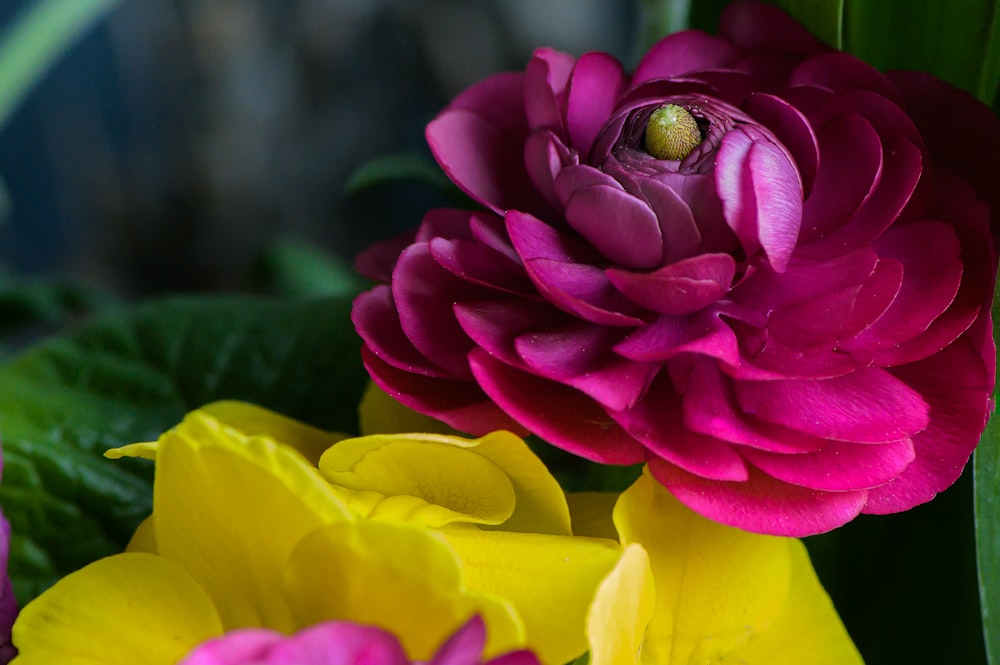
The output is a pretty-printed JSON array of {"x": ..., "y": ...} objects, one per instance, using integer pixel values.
[{"x": 822, "y": 242}]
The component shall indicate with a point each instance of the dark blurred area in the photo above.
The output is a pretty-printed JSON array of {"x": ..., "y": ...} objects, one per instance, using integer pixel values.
[{"x": 177, "y": 140}]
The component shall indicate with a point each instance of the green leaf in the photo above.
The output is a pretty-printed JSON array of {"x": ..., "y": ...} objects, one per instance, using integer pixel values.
[
  {"x": 986, "y": 479},
  {"x": 129, "y": 375},
  {"x": 957, "y": 42},
  {"x": 28, "y": 305},
  {"x": 296, "y": 268},
  {"x": 396, "y": 168},
  {"x": 37, "y": 37},
  {"x": 823, "y": 18}
]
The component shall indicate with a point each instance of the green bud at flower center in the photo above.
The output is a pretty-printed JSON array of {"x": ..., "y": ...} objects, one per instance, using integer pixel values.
[{"x": 672, "y": 133}]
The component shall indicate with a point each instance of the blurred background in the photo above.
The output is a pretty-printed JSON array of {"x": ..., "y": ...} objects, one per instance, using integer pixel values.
[
  {"x": 177, "y": 142},
  {"x": 205, "y": 145}
]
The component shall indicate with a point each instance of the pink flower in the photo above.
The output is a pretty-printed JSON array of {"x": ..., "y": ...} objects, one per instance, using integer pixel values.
[
  {"x": 343, "y": 643},
  {"x": 787, "y": 317}
]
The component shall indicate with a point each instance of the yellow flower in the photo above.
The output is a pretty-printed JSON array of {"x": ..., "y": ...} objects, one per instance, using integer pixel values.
[
  {"x": 246, "y": 533},
  {"x": 690, "y": 591},
  {"x": 261, "y": 521}
]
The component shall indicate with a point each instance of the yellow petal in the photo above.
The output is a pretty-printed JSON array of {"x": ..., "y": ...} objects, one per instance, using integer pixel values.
[
  {"x": 493, "y": 480},
  {"x": 591, "y": 514},
  {"x": 122, "y": 610},
  {"x": 144, "y": 450},
  {"x": 144, "y": 538},
  {"x": 551, "y": 581},
  {"x": 622, "y": 607},
  {"x": 230, "y": 511},
  {"x": 808, "y": 629},
  {"x": 541, "y": 504},
  {"x": 399, "y": 577},
  {"x": 720, "y": 591},
  {"x": 246, "y": 420},
  {"x": 381, "y": 414},
  {"x": 415, "y": 478},
  {"x": 253, "y": 420}
]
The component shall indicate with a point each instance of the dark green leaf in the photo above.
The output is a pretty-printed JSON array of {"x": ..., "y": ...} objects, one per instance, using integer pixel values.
[
  {"x": 299, "y": 269},
  {"x": 956, "y": 42},
  {"x": 396, "y": 168},
  {"x": 127, "y": 376},
  {"x": 986, "y": 474},
  {"x": 823, "y": 18}
]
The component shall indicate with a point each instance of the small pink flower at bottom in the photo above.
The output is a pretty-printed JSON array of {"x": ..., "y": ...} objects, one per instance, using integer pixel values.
[{"x": 343, "y": 643}]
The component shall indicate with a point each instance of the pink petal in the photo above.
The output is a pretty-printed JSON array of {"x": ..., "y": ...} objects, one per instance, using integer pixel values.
[
  {"x": 955, "y": 383},
  {"x": 584, "y": 291},
  {"x": 850, "y": 167},
  {"x": 495, "y": 325},
  {"x": 545, "y": 81},
  {"x": 491, "y": 231},
  {"x": 683, "y": 52},
  {"x": 932, "y": 273},
  {"x": 594, "y": 87},
  {"x": 579, "y": 355},
  {"x": 656, "y": 422},
  {"x": 481, "y": 265},
  {"x": 534, "y": 239},
  {"x": 767, "y": 290},
  {"x": 378, "y": 260},
  {"x": 460, "y": 404},
  {"x": 761, "y": 504},
  {"x": 483, "y": 160},
  {"x": 618, "y": 225},
  {"x": 760, "y": 27},
  {"x": 236, "y": 648},
  {"x": 709, "y": 407},
  {"x": 792, "y": 128},
  {"x": 559, "y": 414},
  {"x": 833, "y": 319},
  {"x": 681, "y": 236},
  {"x": 579, "y": 176},
  {"x": 545, "y": 157},
  {"x": 839, "y": 466},
  {"x": 842, "y": 71},
  {"x": 761, "y": 195},
  {"x": 499, "y": 99},
  {"x": 375, "y": 318},
  {"x": 465, "y": 647},
  {"x": 703, "y": 333},
  {"x": 679, "y": 288},
  {"x": 424, "y": 293},
  {"x": 451, "y": 223},
  {"x": 339, "y": 643},
  {"x": 868, "y": 405},
  {"x": 698, "y": 193},
  {"x": 901, "y": 172},
  {"x": 976, "y": 158}
]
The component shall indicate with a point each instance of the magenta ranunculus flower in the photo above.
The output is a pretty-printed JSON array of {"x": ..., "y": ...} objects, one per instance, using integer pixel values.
[
  {"x": 757, "y": 264},
  {"x": 343, "y": 643}
]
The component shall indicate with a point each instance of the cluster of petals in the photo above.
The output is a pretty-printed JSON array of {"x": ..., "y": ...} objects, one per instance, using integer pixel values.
[
  {"x": 790, "y": 325},
  {"x": 343, "y": 643},
  {"x": 267, "y": 541}
]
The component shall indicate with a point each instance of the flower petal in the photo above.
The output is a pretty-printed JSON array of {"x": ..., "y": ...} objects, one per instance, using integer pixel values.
[
  {"x": 761, "y": 504},
  {"x": 101, "y": 614},
  {"x": 868, "y": 405},
  {"x": 419, "y": 596},
  {"x": 679, "y": 288},
  {"x": 549, "y": 579},
  {"x": 621, "y": 610},
  {"x": 203, "y": 469},
  {"x": 540, "y": 405}
]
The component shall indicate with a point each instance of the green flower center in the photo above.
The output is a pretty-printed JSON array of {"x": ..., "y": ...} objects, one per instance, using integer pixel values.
[{"x": 672, "y": 133}]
